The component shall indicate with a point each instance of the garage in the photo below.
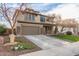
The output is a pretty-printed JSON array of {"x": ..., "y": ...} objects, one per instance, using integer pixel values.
[{"x": 31, "y": 30}]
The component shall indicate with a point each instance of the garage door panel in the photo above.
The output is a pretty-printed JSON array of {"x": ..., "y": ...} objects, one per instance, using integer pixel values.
[{"x": 30, "y": 30}]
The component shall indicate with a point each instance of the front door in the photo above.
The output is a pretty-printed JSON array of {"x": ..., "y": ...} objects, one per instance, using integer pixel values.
[{"x": 47, "y": 29}]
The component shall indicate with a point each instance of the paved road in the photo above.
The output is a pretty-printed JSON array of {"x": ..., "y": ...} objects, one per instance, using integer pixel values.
[{"x": 52, "y": 46}]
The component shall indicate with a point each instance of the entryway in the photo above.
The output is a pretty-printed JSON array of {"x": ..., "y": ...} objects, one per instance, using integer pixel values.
[{"x": 47, "y": 29}]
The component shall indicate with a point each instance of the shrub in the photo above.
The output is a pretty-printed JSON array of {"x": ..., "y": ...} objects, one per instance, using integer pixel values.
[
  {"x": 22, "y": 46},
  {"x": 69, "y": 33},
  {"x": 2, "y": 29}
]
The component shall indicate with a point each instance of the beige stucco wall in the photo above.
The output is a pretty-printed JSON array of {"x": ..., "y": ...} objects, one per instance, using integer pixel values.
[
  {"x": 29, "y": 28},
  {"x": 20, "y": 17},
  {"x": 26, "y": 24},
  {"x": 49, "y": 22},
  {"x": 37, "y": 18}
]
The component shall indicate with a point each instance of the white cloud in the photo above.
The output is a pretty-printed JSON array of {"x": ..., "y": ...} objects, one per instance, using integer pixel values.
[
  {"x": 66, "y": 11},
  {"x": 39, "y": 6}
]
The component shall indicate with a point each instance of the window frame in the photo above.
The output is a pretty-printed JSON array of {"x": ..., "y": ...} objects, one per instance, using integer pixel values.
[{"x": 42, "y": 18}]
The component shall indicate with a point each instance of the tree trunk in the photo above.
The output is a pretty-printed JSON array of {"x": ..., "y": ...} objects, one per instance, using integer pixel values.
[
  {"x": 62, "y": 29},
  {"x": 56, "y": 30},
  {"x": 12, "y": 36}
]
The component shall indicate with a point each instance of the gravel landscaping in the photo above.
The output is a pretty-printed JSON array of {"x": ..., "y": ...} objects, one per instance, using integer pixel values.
[{"x": 26, "y": 47}]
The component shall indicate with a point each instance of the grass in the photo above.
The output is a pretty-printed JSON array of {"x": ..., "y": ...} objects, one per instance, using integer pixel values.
[{"x": 68, "y": 37}]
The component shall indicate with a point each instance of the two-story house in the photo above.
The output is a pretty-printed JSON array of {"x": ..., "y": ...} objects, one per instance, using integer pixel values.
[{"x": 30, "y": 22}]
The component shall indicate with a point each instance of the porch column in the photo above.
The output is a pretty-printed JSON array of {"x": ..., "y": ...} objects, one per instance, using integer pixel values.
[
  {"x": 52, "y": 31},
  {"x": 21, "y": 30}
]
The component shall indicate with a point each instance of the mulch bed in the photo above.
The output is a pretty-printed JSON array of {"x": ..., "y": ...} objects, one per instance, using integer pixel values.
[{"x": 6, "y": 51}]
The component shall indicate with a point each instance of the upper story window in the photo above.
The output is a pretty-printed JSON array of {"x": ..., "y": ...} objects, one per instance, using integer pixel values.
[
  {"x": 26, "y": 17},
  {"x": 42, "y": 18},
  {"x": 30, "y": 17}
]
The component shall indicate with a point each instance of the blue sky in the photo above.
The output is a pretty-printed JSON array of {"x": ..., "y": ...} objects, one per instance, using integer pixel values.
[
  {"x": 44, "y": 7},
  {"x": 41, "y": 7},
  {"x": 66, "y": 10},
  {"x": 63, "y": 9}
]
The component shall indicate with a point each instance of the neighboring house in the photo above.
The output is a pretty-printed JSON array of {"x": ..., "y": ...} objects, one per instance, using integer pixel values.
[{"x": 30, "y": 22}]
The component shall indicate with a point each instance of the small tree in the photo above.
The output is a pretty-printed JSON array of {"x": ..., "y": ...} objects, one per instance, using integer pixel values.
[
  {"x": 68, "y": 23},
  {"x": 56, "y": 30},
  {"x": 57, "y": 20},
  {"x": 10, "y": 16},
  {"x": 2, "y": 29}
]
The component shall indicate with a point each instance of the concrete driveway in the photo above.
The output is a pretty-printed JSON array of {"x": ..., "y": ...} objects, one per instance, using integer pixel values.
[
  {"x": 49, "y": 45},
  {"x": 46, "y": 42},
  {"x": 52, "y": 46}
]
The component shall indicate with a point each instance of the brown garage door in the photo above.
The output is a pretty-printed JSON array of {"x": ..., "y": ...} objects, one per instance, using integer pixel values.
[{"x": 31, "y": 30}]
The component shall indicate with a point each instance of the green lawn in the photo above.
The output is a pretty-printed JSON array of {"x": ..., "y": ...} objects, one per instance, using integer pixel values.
[{"x": 68, "y": 37}]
